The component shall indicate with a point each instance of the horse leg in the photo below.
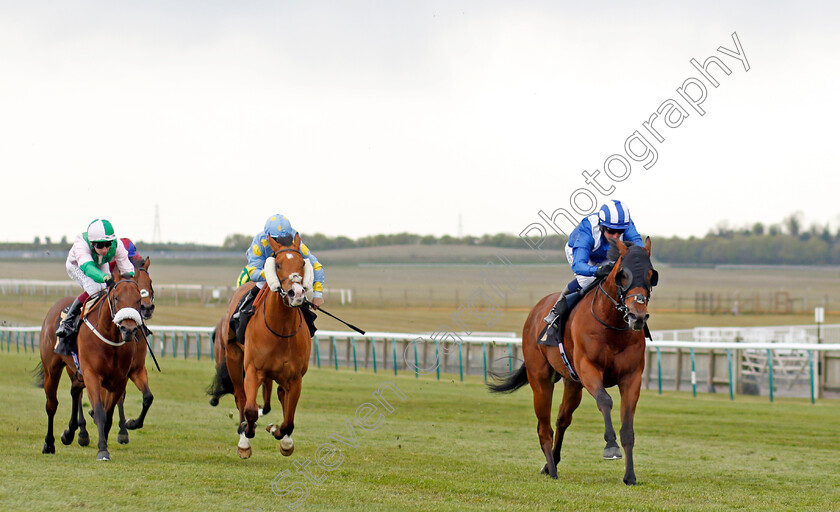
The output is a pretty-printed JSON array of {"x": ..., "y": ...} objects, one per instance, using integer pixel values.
[
  {"x": 572, "y": 394},
  {"x": 249, "y": 412},
  {"x": 94, "y": 388},
  {"x": 266, "y": 387},
  {"x": 84, "y": 437},
  {"x": 543, "y": 388},
  {"x": 629, "y": 388},
  {"x": 141, "y": 380},
  {"x": 235, "y": 356},
  {"x": 76, "y": 404},
  {"x": 289, "y": 404},
  {"x": 593, "y": 381},
  {"x": 51, "y": 379},
  {"x": 122, "y": 435}
]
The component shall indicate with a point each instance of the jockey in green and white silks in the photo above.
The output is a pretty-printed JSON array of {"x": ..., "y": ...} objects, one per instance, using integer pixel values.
[{"x": 88, "y": 265}]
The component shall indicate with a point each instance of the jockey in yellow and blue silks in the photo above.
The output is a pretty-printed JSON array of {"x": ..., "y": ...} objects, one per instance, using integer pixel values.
[
  {"x": 587, "y": 250},
  {"x": 278, "y": 227}
]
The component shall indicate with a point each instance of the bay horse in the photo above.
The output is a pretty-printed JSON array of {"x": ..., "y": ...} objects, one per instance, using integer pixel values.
[
  {"x": 605, "y": 342},
  {"x": 277, "y": 345},
  {"x": 137, "y": 373},
  {"x": 222, "y": 385},
  {"x": 104, "y": 363}
]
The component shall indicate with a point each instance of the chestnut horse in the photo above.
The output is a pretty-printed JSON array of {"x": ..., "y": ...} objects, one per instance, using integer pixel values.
[
  {"x": 277, "y": 345},
  {"x": 222, "y": 384},
  {"x": 605, "y": 342},
  {"x": 104, "y": 363}
]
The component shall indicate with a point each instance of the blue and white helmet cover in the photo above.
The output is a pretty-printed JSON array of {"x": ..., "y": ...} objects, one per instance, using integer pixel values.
[{"x": 614, "y": 214}]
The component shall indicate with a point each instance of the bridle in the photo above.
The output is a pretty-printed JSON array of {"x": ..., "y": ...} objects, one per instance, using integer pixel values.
[
  {"x": 111, "y": 301},
  {"x": 621, "y": 303},
  {"x": 293, "y": 278}
]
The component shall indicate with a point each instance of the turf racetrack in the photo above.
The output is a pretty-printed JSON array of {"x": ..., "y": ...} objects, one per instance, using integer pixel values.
[{"x": 447, "y": 446}]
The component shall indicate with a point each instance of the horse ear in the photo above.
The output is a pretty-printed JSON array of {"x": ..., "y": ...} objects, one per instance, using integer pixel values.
[
  {"x": 647, "y": 245},
  {"x": 622, "y": 249},
  {"x": 147, "y": 263},
  {"x": 273, "y": 244},
  {"x": 296, "y": 244},
  {"x": 654, "y": 277}
]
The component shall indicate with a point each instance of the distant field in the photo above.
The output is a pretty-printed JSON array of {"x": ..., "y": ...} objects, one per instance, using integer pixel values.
[
  {"x": 448, "y": 446},
  {"x": 405, "y": 297}
]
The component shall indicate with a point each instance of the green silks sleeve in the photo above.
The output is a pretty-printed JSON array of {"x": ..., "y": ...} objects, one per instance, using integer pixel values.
[{"x": 93, "y": 272}]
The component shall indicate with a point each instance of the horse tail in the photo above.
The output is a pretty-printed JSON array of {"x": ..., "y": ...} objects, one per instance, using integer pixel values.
[
  {"x": 38, "y": 374},
  {"x": 509, "y": 382},
  {"x": 221, "y": 385}
]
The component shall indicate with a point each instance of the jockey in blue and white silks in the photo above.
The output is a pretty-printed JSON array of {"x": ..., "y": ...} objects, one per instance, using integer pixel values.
[
  {"x": 589, "y": 242},
  {"x": 586, "y": 251}
]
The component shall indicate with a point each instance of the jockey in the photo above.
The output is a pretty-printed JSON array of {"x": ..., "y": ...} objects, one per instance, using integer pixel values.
[
  {"x": 587, "y": 254},
  {"x": 277, "y": 227},
  {"x": 88, "y": 265}
]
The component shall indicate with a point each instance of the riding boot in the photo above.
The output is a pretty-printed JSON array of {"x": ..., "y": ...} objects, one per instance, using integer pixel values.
[
  {"x": 557, "y": 316},
  {"x": 309, "y": 316},
  {"x": 244, "y": 313},
  {"x": 67, "y": 329}
]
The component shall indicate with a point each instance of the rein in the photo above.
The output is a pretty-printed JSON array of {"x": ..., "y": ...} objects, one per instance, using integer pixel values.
[
  {"x": 111, "y": 301},
  {"x": 265, "y": 321},
  {"x": 619, "y": 304}
]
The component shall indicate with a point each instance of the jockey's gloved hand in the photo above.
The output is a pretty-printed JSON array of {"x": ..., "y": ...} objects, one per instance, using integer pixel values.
[
  {"x": 604, "y": 270},
  {"x": 109, "y": 282}
]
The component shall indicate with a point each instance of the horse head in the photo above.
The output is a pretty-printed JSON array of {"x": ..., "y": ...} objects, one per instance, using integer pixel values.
[
  {"x": 147, "y": 293},
  {"x": 285, "y": 270},
  {"x": 124, "y": 301},
  {"x": 634, "y": 276}
]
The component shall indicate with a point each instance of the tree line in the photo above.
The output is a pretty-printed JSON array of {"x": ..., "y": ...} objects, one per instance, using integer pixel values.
[{"x": 786, "y": 243}]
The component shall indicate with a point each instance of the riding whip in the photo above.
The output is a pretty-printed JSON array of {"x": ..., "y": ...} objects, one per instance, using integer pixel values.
[{"x": 340, "y": 320}]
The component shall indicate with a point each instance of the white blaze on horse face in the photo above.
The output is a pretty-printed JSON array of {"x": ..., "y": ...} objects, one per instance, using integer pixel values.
[
  {"x": 289, "y": 256},
  {"x": 298, "y": 294}
]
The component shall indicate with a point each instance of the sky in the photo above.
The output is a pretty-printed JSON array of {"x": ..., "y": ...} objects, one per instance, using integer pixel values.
[{"x": 436, "y": 117}]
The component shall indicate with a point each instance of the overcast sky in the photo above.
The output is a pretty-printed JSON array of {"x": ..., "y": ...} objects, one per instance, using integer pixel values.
[{"x": 356, "y": 118}]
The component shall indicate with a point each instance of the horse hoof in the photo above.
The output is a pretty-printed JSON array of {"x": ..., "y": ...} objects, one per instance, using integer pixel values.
[
  {"x": 122, "y": 438},
  {"x": 214, "y": 401},
  {"x": 287, "y": 446},
  {"x": 84, "y": 440},
  {"x": 48, "y": 448},
  {"x": 133, "y": 425},
  {"x": 630, "y": 481},
  {"x": 244, "y": 454},
  {"x": 612, "y": 453},
  {"x": 103, "y": 455},
  {"x": 265, "y": 410},
  {"x": 66, "y": 438}
]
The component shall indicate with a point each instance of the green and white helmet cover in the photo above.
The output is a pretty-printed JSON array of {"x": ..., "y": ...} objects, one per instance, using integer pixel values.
[{"x": 100, "y": 230}]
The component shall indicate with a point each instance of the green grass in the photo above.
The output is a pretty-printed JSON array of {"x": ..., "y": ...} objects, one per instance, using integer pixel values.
[{"x": 448, "y": 446}]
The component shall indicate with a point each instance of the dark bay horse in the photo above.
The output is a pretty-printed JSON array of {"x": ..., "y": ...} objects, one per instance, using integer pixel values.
[
  {"x": 222, "y": 385},
  {"x": 605, "y": 343},
  {"x": 105, "y": 349},
  {"x": 277, "y": 345}
]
